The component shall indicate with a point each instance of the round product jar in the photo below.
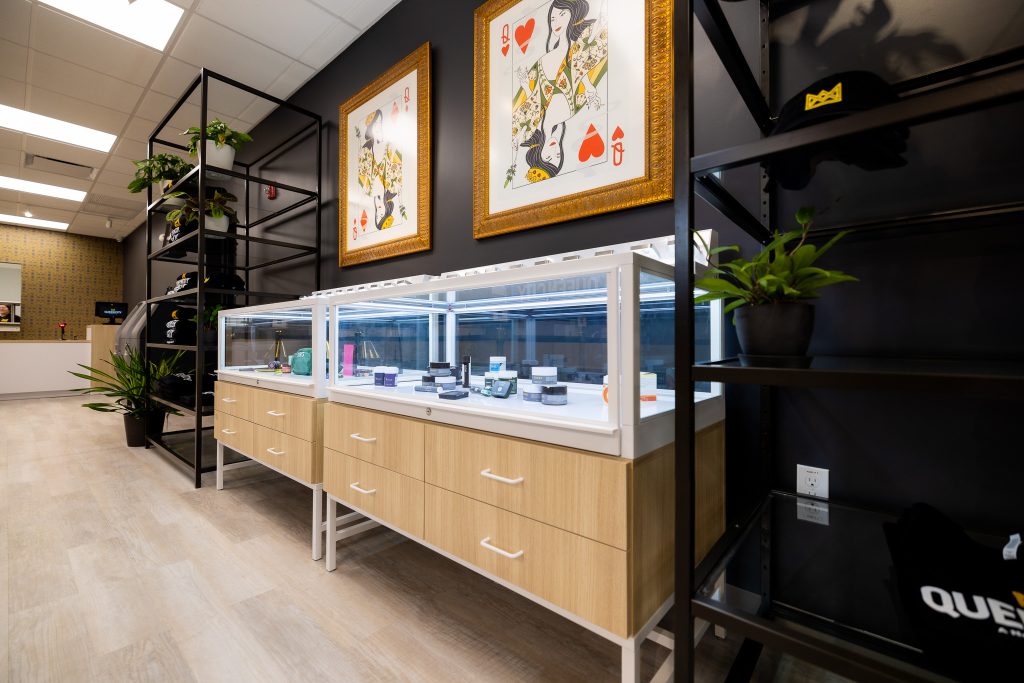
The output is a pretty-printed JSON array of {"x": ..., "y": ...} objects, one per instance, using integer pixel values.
[
  {"x": 438, "y": 369},
  {"x": 532, "y": 392},
  {"x": 489, "y": 378},
  {"x": 390, "y": 376},
  {"x": 378, "y": 375},
  {"x": 545, "y": 375},
  {"x": 554, "y": 394},
  {"x": 513, "y": 378},
  {"x": 497, "y": 364}
]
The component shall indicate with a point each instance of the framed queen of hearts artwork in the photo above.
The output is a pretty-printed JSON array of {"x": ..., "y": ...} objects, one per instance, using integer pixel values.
[
  {"x": 573, "y": 110},
  {"x": 384, "y": 165}
]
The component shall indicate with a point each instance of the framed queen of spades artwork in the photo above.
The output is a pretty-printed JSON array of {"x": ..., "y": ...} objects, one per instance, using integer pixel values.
[
  {"x": 384, "y": 165},
  {"x": 573, "y": 110}
]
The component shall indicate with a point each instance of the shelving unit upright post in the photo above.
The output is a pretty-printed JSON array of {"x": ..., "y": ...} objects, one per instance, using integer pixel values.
[
  {"x": 806, "y": 631},
  {"x": 188, "y": 445}
]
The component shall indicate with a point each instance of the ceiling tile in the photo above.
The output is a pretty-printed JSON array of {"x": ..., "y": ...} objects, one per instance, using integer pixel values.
[
  {"x": 223, "y": 99},
  {"x": 14, "y": 20},
  {"x": 47, "y": 213},
  {"x": 139, "y": 128},
  {"x": 360, "y": 13},
  {"x": 12, "y": 93},
  {"x": 114, "y": 177},
  {"x": 293, "y": 77},
  {"x": 91, "y": 47},
  {"x": 219, "y": 49},
  {"x": 132, "y": 149},
  {"x": 11, "y": 157},
  {"x": 174, "y": 76},
  {"x": 10, "y": 139},
  {"x": 13, "y": 60},
  {"x": 154, "y": 105},
  {"x": 56, "y": 74},
  {"x": 118, "y": 164},
  {"x": 258, "y": 111},
  {"x": 38, "y": 201},
  {"x": 328, "y": 46},
  {"x": 58, "y": 150},
  {"x": 30, "y": 173},
  {"x": 74, "y": 110},
  {"x": 288, "y": 29}
]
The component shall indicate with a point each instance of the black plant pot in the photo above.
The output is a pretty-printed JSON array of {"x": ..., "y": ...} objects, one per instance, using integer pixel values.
[
  {"x": 775, "y": 335},
  {"x": 135, "y": 428}
]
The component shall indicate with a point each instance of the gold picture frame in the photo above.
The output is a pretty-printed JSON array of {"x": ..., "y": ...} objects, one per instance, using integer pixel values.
[
  {"x": 382, "y": 201},
  {"x": 653, "y": 177}
]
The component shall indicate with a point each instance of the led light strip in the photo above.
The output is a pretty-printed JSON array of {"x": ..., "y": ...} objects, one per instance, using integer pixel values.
[
  {"x": 19, "y": 185},
  {"x": 55, "y": 129},
  {"x": 33, "y": 222}
]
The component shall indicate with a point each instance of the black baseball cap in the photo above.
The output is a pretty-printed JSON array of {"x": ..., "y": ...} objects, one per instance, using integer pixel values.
[{"x": 831, "y": 98}]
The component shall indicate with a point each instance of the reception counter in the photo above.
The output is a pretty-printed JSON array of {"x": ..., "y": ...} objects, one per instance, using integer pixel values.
[{"x": 40, "y": 368}]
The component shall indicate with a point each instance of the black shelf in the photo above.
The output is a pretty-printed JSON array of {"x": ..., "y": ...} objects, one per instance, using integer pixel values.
[
  {"x": 1003, "y": 379},
  {"x": 189, "y": 242},
  {"x": 815, "y": 579},
  {"x": 194, "y": 292},
  {"x": 215, "y": 174},
  {"x": 206, "y": 411},
  {"x": 176, "y": 347}
]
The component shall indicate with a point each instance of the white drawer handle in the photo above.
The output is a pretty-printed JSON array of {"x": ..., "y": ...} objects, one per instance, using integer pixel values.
[
  {"x": 504, "y": 480},
  {"x": 495, "y": 549},
  {"x": 274, "y": 413},
  {"x": 230, "y": 400},
  {"x": 364, "y": 439},
  {"x": 357, "y": 487},
  {"x": 274, "y": 451},
  {"x": 229, "y": 432}
]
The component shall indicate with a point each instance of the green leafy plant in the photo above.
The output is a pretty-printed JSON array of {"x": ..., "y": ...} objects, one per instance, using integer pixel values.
[
  {"x": 209, "y": 317},
  {"x": 127, "y": 383},
  {"x": 219, "y": 133},
  {"x": 215, "y": 206},
  {"x": 784, "y": 270},
  {"x": 158, "y": 168}
]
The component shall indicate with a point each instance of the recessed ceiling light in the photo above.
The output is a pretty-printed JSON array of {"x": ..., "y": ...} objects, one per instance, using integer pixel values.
[
  {"x": 55, "y": 129},
  {"x": 19, "y": 185},
  {"x": 150, "y": 22},
  {"x": 32, "y": 222},
  {"x": 28, "y": 214}
]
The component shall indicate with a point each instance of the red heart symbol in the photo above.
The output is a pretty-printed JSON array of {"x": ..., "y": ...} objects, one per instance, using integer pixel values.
[
  {"x": 523, "y": 34},
  {"x": 618, "y": 134},
  {"x": 593, "y": 144},
  {"x": 504, "y": 50},
  {"x": 362, "y": 219}
]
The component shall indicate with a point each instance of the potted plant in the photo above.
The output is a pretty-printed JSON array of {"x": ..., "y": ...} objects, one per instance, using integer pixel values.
[
  {"x": 221, "y": 143},
  {"x": 131, "y": 388},
  {"x": 208, "y": 325},
  {"x": 219, "y": 214},
  {"x": 770, "y": 294},
  {"x": 162, "y": 170}
]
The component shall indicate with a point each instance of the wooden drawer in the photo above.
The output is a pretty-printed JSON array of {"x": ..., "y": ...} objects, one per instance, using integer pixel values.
[
  {"x": 385, "y": 440},
  {"x": 584, "y": 493},
  {"x": 582, "y": 576},
  {"x": 289, "y": 454},
  {"x": 233, "y": 432},
  {"x": 233, "y": 399},
  {"x": 285, "y": 413},
  {"x": 393, "y": 498}
]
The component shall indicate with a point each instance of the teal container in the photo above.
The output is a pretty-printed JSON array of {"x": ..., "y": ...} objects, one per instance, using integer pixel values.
[{"x": 302, "y": 362}]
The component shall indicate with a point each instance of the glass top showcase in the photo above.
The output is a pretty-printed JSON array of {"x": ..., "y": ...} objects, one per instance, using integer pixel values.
[
  {"x": 273, "y": 346},
  {"x": 577, "y": 352}
]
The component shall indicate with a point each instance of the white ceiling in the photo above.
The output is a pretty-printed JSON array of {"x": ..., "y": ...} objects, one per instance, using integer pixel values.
[{"x": 56, "y": 65}]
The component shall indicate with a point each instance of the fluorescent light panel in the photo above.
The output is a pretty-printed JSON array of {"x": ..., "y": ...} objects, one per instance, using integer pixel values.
[
  {"x": 32, "y": 222},
  {"x": 55, "y": 129},
  {"x": 150, "y": 22},
  {"x": 19, "y": 185}
]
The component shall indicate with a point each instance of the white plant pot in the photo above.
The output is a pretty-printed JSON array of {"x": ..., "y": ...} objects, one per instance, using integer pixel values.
[
  {"x": 171, "y": 203},
  {"x": 221, "y": 157},
  {"x": 222, "y": 224}
]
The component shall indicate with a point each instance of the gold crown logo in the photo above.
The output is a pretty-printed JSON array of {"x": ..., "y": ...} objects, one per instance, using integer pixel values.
[
  {"x": 537, "y": 174},
  {"x": 832, "y": 96}
]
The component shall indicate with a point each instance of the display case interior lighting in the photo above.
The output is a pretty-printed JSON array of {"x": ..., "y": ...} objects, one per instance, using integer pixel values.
[
  {"x": 19, "y": 185},
  {"x": 55, "y": 129},
  {"x": 150, "y": 22},
  {"x": 32, "y": 222}
]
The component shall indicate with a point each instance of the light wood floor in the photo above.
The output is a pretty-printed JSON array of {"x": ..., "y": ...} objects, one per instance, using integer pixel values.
[{"x": 114, "y": 568}]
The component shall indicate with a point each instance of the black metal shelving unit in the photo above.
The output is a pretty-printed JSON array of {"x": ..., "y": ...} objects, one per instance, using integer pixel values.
[
  {"x": 789, "y": 613},
  {"x": 189, "y": 445}
]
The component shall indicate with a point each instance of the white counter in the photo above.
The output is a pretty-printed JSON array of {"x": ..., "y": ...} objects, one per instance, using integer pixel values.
[{"x": 33, "y": 368}]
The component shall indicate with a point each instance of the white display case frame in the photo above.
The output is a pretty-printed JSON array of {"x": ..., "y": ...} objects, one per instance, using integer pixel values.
[
  {"x": 314, "y": 385},
  {"x": 620, "y": 434}
]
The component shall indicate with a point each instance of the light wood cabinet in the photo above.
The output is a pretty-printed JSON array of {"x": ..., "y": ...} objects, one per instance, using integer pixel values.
[
  {"x": 233, "y": 399},
  {"x": 584, "y": 493},
  {"x": 582, "y": 576},
  {"x": 291, "y": 455},
  {"x": 284, "y": 413},
  {"x": 395, "y": 443},
  {"x": 234, "y": 432},
  {"x": 393, "y": 498}
]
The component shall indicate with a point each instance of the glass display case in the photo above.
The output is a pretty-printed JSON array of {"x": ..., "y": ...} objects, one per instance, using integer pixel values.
[
  {"x": 576, "y": 350},
  {"x": 280, "y": 346}
]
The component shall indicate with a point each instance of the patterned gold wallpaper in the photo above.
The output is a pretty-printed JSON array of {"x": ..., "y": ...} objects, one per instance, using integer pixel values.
[{"x": 62, "y": 277}]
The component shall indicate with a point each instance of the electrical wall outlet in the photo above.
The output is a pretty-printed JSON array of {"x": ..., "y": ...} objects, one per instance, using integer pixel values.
[
  {"x": 812, "y": 481},
  {"x": 814, "y": 511}
]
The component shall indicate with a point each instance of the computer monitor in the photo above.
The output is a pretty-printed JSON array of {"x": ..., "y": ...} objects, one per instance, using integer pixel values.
[{"x": 111, "y": 310}]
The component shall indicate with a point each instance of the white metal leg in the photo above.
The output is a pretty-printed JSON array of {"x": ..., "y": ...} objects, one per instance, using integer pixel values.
[
  {"x": 220, "y": 466},
  {"x": 631, "y": 660},
  {"x": 318, "y": 521},
  {"x": 332, "y": 534}
]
